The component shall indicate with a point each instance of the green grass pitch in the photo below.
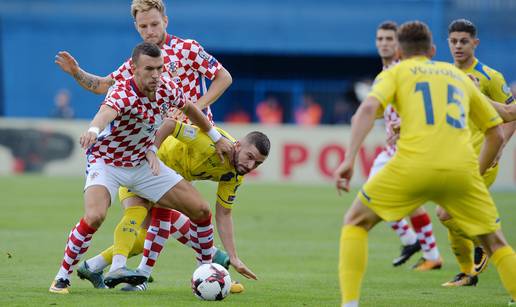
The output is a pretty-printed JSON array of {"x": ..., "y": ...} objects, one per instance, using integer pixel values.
[{"x": 287, "y": 234}]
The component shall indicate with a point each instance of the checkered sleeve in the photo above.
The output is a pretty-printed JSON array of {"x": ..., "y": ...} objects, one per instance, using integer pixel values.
[
  {"x": 118, "y": 100},
  {"x": 123, "y": 72},
  {"x": 200, "y": 60}
]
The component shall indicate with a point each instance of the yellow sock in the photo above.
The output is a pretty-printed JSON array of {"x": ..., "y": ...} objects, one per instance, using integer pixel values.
[
  {"x": 505, "y": 261},
  {"x": 138, "y": 243},
  {"x": 107, "y": 254},
  {"x": 127, "y": 230},
  {"x": 352, "y": 262},
  {"x": 461, "y": 245},
  {"x": 137, "y": 248}
]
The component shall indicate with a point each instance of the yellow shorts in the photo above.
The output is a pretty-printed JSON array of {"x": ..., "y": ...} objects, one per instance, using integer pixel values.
[
  {"x": 123, "y": 194},
  {"x": 397, "y": 190}
]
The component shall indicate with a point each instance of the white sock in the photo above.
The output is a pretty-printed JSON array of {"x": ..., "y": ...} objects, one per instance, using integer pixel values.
[
  {"x": 119, "y": 261},
  {"x": 351, "y": 304},
  {"x": 97, "y": 263}
]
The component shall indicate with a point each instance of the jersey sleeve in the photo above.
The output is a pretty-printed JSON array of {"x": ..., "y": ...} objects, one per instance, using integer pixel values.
[
  {"x": 384, "y": 88},
  {"x": 226, "y": 192},
  {"x": 499, "y": 91},
  {"x": 186, "y": 133},
  {"x": 118, "y": 100},
  {"x": 482, "y": 113},
  {"x": 123, "y": 72},
  {"x": 202, "y": 61}
]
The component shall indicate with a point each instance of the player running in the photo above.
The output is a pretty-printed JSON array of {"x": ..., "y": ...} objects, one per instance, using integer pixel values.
[
  {"x": 462, "y": 41},
  {"x": 423, "y": 237},
  {"x": 191, "y": 154},
  {"x": 435, "y": 160},
  {"x": 121, "y": 152}
]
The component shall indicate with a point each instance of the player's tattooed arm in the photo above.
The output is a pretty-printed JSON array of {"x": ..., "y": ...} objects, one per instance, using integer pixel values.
[{"x": 93, "y": 83}]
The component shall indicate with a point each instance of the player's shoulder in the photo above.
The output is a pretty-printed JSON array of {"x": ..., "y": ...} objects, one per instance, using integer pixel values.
[
  {"x": 487, "y": 72},
  {"x": 184, "y": 43},
  {"x": 121, "y": 89}
]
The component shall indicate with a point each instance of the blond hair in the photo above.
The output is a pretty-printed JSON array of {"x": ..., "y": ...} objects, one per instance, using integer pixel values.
[{"x": 147, "y": 5}]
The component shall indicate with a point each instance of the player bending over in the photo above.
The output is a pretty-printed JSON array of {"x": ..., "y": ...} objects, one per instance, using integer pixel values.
[{"x": 190, "y": 153}]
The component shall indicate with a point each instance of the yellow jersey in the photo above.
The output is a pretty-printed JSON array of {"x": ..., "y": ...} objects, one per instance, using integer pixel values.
[
  {"x": 434, "y": 100},
  {"x": 191, "y": 153},
  {"x": 493, "y": 85}
]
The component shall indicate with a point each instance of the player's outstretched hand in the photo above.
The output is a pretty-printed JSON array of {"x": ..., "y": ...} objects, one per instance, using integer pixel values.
[
  {"x": 153, "y": 161},
  {"x": 224, "y": 146},
  {"x": 342, "y": 176},
  {"x": 87, "y": 139},
  {"x": 67, "y": 62},
  {"x": 241, "y": 268}
]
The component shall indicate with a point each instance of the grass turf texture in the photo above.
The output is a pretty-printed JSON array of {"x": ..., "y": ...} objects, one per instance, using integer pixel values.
[{"x": 287, "y": 234}]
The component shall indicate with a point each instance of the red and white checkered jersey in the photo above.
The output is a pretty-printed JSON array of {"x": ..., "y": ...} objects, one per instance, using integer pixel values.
[
  {"x": 124, "y": 142},
  {"x": 391, "y": 119},
  {"x": 186, "y": 63}
]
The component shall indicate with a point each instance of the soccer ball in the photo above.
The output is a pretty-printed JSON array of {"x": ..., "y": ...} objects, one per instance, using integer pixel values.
[{"x": 211, "y": 282}]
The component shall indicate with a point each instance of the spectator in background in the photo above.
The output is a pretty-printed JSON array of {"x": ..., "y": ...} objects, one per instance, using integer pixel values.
[
  {"x": 269, "y": 111},
  {"x": 238, "y": 116},
  {"x": 62, "y": 107},
  {"x": 309, "y": 113},
  {"x": 342, "y": 113}
]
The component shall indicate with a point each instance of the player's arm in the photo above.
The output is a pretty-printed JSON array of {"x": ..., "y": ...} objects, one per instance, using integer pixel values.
[
  {"x": 222, "y": 145},
  {"x": 224, "y": 221},
  {"x": 217, "y": 87},
  {"x": 492, "y": 145},
  {"x": 167, "y": 128},
  {"x": 381, "y": 94},
  {"x": 104, "y": 116},
  {"x": 360, "y": 127},
  {"x": 485, "y": 117},
  {"x": 91, "y": 82}
]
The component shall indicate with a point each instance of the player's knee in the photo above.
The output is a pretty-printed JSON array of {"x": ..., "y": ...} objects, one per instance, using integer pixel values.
[
  {"x": 199, "y": 211},
  {"x": 492, "y": 241},
  {"x": 442, "y": 214},
  {"x": 94, "y": 219}
]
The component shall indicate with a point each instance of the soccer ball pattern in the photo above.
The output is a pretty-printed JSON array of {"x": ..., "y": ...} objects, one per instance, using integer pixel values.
[{"x": 211, "y": 282}]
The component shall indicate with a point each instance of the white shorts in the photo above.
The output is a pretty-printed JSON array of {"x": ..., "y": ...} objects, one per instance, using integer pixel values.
[
  {"x": 379, "y": 163},
  {"x": 139, "y": 179}
]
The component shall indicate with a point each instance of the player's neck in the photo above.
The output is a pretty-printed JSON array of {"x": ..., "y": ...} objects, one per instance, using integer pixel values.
[
  {"x": 388, "y": 61},
  {"x": 163, "y": 40},
  {"x": 149, "y": 94},
  {"x": 466, "y": 63}
]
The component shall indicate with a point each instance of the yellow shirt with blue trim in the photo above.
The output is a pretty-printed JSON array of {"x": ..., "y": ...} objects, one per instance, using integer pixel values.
[
  {"x": 191, "y": 153},
  {"x": 434, "y": 100},
  {"x": 493, "y": 85}
]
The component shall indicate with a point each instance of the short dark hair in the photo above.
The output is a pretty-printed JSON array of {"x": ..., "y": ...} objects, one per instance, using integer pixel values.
[
  {"x": 388, "y": 25},
  {"x": 463, "y": 25},
  {"x": 414, "y": 38},
  {"x": 260, "y": 141},
  {"x": 149, "y": 49}
]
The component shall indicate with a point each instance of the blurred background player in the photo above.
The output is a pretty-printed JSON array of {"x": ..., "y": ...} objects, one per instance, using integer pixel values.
[
  {"x": 462, "y": 41},
  {"x": 190, "y": 153},
  {"x": 423, "y": 237},
  {"x": 186, "y": 61},
  {"x": 420, "y": 171}
]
